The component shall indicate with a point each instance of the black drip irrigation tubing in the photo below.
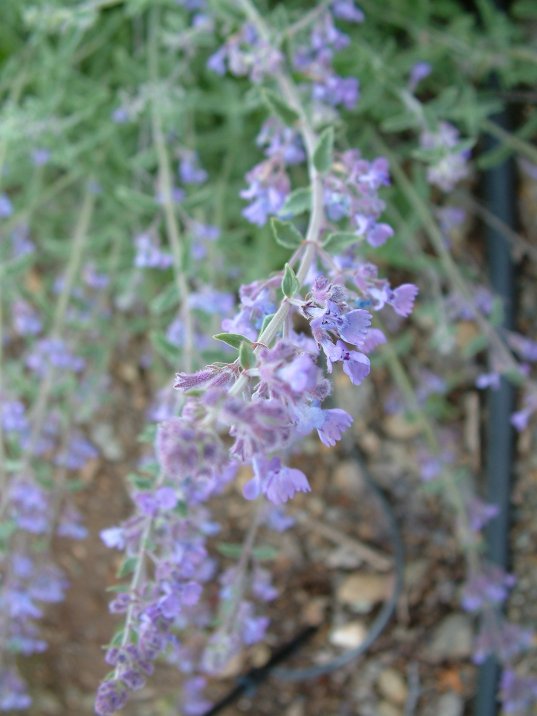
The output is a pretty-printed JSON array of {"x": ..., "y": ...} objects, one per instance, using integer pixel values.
[
  {"x": 500, "y": 199},
  {"x": 248, "y": 683}
]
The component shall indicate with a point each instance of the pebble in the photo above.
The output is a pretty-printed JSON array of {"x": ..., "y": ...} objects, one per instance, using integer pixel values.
[
  {"x": 392, "y": 686},
  {"x": 349, "y": 635},
  {"x": 347, "y": 476},
  {"x": 400, "y": 428},
  {"x": 362, "y": 591},
  {"x": 452, "y": 638},
  {"x": 385, "y": 708},
  {"x": 450, "y": 705}
]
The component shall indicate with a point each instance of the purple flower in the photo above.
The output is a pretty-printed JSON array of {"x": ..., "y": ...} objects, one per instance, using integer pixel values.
[
  {"x": 379, "y": 234},
  {"x": 346, "y": 10},
  {"x": 489, "y": 586},
  {"x": 71, "y": 524},
  {"x": 276, "y": 481},
  {"x": 6, "y": 207},
  {"x": 53, "y": 352},
  {"x": 120, "y": 115},
  {"x": 356, "y": 365},
  {"x": 111, "y": 697},
  {"x": 488, "y": 380},
  {"x": 26, "y": 322},
  {"x": 149, "y": 254},
  {"x": 335, "y": 423},
  {"x": 14, "y": 417},
  {"x": 13, "y": 694},
  {"x": 267, "y": 191},
  {"x": 418, "y": 72},
  {"x": 335, "y": 90},
  {"x": 480, "y": 513},
  {"x": 113, "y": 537},
  {"x": 301, "y": 374},
  {"x": 29, "y": 505},
  {"x": 40, "y": 156},
  {"x": 402, "y": 300},
  {"x": 190, "y": 170},
  {"x": 518, "y": 693},
  {"x": 217, "y": 61},
  {"x": 452, "y": 166},
  {"x": 520, "y": 419},
  {"x": 351, "y": 326}
]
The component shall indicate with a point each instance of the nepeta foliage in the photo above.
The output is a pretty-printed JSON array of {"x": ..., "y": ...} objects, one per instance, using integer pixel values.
[{"x": 238, "y": 187}]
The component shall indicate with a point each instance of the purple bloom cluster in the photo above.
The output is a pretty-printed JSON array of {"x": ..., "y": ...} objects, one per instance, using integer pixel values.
[
  {"x": 450, "y": 165},
  {"x": 53, "y": 353},
  {"x": 26, "y": 321},
  {"x": 28, "y": 584},
  {"x": 245, "y": 54},
  {"x": 351, "y": 193},
  {"x": 149, "y": 254},
  {"x": 315, "y": 59}
]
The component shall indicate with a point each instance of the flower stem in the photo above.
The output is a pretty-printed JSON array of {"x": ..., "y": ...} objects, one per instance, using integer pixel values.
[{"x": 166, "y": 186}]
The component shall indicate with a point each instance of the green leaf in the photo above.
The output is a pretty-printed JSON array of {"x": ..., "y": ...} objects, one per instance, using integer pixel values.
[
  {"x": 232, "y": 339},
  {"x": 340, "y": 240},
  {"x": 322, "y": 154},
  {"x": 234, "y": 550},
  {"x": 265, "y": 552},
  {"x": 127, "y": 566},
  {"x": 133, "y": 198},
  {"x": 140, "y": 482},
  {"x": 285, "y": 234},
  {"x": 118, "y": 637},
  {"x": 514, "y": 377},
  {"x": 266, "y": 321},
  {"x": 289, "y": 282},
  {"x": 229, "y": 549},
  {"x": 163, "y": 347},
  {"x": 169, "y": 298},
  {"x": 298, "y": 202},
  {"x": 399, "y": 122},
  {"x": 148, "y": 434},
  {"x": 246, "y": 355},
  {"x": 118, "y": 588},
  {"x": 278, "y": 107}
]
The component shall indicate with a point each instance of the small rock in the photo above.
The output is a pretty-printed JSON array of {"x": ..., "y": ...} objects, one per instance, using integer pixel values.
[
  {"x": 452, "y": 638},
  {"x": 348, "y": 477},
  {"x": 385, "y": 708},
  {"x": 415, "y": 573},
  {"x": 348, "y": 635},
  {"x": 104, "y": 436},
  {"x": 315, "y": 609},
  {"x": 362, "y": 591},
  {"x": 400, "y": 427},
  {"x": 296, "y": 708},
  {"x": 450, "y": 705},
  {"x": 343, "y": 558},
  {"x": 392, "y": 686}
]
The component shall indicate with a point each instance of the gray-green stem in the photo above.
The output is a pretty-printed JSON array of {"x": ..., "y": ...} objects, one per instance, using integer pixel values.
[{"x": 166, "y": 187}]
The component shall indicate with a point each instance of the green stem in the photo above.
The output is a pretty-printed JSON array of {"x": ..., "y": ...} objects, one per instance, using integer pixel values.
[
  {"x": 510, "y": 140},
  {"x": 166, "y": 186},
  {"x": 47, "y": 381},
  {"x": 315, "y": 225},
  {"x": 3, "y": 474}
]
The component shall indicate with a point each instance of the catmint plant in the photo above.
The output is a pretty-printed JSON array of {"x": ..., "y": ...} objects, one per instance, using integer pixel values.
[{"x": 262, "y": 199}]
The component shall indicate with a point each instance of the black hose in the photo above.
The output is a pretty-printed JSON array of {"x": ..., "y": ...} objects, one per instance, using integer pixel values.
[{"x": 500, "y": 199}]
